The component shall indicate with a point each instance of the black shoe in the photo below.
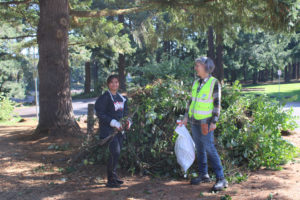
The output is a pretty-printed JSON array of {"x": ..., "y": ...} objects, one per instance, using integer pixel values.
[
  {"x": 119, "y": 181},
  {"x": 112, "y": 184},
  {"x": 220, "y": 185},
  {"x": 202, "y": 179}
]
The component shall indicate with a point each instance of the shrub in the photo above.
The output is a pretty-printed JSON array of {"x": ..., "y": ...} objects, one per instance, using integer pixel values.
[
  {"x": 6, "y": 109},
  {"x": 248, "y": 132}
]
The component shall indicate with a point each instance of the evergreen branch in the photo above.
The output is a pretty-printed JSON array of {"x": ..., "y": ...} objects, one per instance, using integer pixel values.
[
  {"x": 15, "y": 2},
  {"x": 106, "y": 12},
  {"x": 17, "y": 37}
]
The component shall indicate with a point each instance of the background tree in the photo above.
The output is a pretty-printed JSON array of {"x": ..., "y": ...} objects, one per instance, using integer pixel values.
[{"x": 54, "y": 27}]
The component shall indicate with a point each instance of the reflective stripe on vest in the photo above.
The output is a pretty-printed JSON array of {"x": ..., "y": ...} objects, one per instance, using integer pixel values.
[{"x": 202, "y": 102}]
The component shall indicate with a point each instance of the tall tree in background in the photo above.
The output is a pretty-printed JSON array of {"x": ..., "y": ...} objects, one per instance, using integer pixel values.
[{"x": 56, "y": 114}]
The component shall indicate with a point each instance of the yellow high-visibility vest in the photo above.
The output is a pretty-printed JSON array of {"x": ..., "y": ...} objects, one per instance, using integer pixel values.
[{"x": 202, "y": 102}]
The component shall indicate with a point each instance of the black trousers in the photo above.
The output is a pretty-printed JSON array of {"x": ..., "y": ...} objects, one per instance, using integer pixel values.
[{"x": 115, "y": 147}]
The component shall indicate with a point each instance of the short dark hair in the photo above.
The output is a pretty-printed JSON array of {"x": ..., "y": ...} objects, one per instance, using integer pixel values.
[{"x": 111, "y": 77}]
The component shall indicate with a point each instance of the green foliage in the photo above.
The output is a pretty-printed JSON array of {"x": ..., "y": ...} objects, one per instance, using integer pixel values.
[
  {"x": 237, "y": 178},
  {"x": 249, "y": 130},
  {"x": 56, "y": 147},
  {"x": 6, "y": 109},
  {"x": 226, "y": 197},
  {"x": 174, "y": 67},
  {"x": 159, "y": 104},
  {"x": 248, "y": 133}
]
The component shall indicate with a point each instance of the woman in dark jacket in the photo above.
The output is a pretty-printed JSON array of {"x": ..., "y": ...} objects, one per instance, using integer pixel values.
[{"x": 110, "y": 108}]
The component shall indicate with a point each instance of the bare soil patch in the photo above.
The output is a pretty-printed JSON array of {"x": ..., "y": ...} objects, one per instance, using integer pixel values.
[{"x": 33, "y": 169}]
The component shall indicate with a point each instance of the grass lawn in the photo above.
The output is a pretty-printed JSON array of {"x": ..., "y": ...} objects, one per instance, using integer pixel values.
[{"x": 286, "y": 90}]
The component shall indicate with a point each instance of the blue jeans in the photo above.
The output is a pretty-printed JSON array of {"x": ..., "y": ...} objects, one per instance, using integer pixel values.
[{"x": 205, "y": 147}]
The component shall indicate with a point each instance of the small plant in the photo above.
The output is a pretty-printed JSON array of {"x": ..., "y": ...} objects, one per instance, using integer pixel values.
[
  {"x": 226, "y": 197},
  {"x": 56, "y": 147},
  {"x": 43, "y": 169},
  {"x": 270, "y": 197}
]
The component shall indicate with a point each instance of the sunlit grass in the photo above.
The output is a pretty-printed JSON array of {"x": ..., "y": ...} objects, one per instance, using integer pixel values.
[{"x": 286, "y": 90}]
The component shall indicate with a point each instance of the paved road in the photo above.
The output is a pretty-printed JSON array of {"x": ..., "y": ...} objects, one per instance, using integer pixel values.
[
  {"x": 80, "y": 108},
  {"x": 296, "y": 108}
]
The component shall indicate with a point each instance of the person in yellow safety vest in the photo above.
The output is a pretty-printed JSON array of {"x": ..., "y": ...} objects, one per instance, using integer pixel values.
[{"x": 203, "y": 112}]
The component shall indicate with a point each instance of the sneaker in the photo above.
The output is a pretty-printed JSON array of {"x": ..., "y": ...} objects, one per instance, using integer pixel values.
[
  {"x": 202, "y": 179},
  {"x": 112, "y": 184},
  {"x": 220, "y": 184},
  {"x": 119, "y": 181}
]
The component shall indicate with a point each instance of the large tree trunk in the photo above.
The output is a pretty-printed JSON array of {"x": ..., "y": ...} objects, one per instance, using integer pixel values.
[
  {"x": 219, "y": 59},
  {"x": 233, "y": 76},
  {"x": 294, "y": 71},
  {"x": 245, "y": 73},
  {"x": 286, "y": 74},
  {"x": 272, "y": 73},
  {"x": 87, "y": 80},
  {"x": 121, "y": 64},
  {"x": 56, "y": 112},
  {"x": 297, "y": 70},
  {"x": 210, "y": 42},
  {"x": 167, "y": 48},
  {"x": 211, "y": 48},
  {"x": 121, "y": 71},
  {"x": 96, "y": 79},
  {"x": 254, "y": 77},
  {"x": 287, "y": 71}
]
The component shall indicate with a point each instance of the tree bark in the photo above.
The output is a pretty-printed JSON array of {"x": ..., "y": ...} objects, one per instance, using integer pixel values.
[
  {"x": 294, "y": 70},
  {"x": 56, "y": 112},
  {"x": 254, "y": 77},
  {"x": 210, "y": 42},
  {"x": 167, "y": 48},
  {"x": 211, "y": 48},
  {"x": 96, "y": 80},
  {"x": 219, "y": 59},
  {"x": 290, "y": 71},
  {"x": 121, "y": 63},
  {"x": 87, "y": 80},
  {"x": 297, "y": 70},
  {"x": 272, "y": 73},
  {"x": 233, "y": 76},
  {"x": 285, "y": 74},
  {"x": 245, "y": 73}
]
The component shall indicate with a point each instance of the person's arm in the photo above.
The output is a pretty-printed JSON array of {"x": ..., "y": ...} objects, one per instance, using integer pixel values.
[
  {"x": 186, "y": 114},
  {"x": 101, "y": 109},
  {"x": 217, "y": 106},
  {"x": 101, "y": 112}
]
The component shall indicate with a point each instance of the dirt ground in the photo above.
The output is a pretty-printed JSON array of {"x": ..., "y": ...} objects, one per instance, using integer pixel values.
[{"x": 33, "y": 169}]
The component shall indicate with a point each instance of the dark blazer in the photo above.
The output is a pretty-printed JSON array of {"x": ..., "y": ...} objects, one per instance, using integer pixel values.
[{"x": 105, "y": 111}]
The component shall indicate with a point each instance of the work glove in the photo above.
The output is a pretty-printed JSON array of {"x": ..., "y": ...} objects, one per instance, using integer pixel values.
[
  {"x": 114, "y": 123},
  {"x": 204, "y": 129},
  {"x": 182, "y": 122}
]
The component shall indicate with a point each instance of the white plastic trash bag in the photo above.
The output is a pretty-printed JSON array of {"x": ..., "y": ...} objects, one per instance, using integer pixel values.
[{"x": 184, "y": 148}]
